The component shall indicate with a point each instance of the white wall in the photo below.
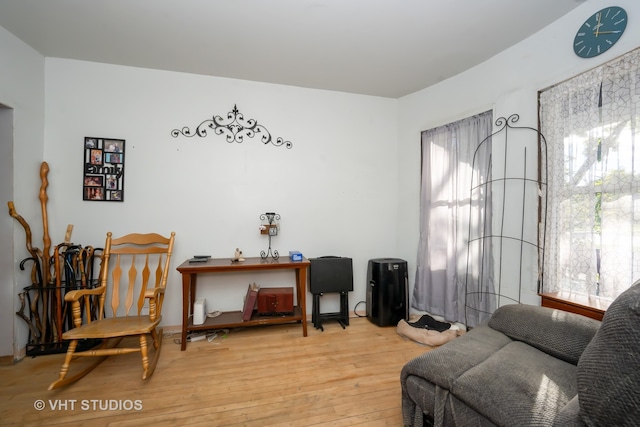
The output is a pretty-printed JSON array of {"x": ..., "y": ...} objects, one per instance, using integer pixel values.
[
  {"x": 507, "y": 83},
  {"x": 349, "y": 186},
  {"x": 335, "y": 189},
  {"x": 7, "y": 290},
  {"x": 22, "y": 93}
]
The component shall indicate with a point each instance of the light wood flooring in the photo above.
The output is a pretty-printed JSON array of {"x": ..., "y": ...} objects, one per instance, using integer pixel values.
[{"x": 261, "y": 376}]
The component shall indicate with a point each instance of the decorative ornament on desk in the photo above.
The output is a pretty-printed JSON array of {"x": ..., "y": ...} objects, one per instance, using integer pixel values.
[
  {"x": 270, "y": 226},
  {"x": 237, "y": 256}
]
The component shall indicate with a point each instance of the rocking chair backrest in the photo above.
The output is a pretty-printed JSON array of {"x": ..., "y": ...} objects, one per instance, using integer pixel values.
[{"x": 128, "y": 263}]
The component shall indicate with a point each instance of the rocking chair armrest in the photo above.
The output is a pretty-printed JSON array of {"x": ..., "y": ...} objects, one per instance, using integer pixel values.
[
  {"x": 155, "y": 303},
  {"x": 153, "y": 293},
  {"x": 75, "y": 295}
]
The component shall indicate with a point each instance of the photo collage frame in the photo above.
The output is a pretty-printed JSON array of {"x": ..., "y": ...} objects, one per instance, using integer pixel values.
[{"x": 103, "y": 178}]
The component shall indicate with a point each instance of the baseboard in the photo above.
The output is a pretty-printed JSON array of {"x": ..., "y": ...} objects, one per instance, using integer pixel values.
[
  {"x": 9, "y": 359},
  {"x": 174, "y": 329}
]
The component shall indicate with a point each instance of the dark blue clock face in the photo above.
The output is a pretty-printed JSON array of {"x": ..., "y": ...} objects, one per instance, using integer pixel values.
[{"x": 601, "y": 31}]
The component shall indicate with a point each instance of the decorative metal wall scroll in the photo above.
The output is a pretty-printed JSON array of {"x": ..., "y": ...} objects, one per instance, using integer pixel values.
[
  {"x": 103, "y": 169},
  {"x": 234, "y": 127}
]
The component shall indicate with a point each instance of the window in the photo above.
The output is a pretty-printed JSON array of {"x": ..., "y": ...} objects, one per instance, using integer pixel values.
[
  {"x": 445, "y": 217},
  {"x": 592, "y": 126}
]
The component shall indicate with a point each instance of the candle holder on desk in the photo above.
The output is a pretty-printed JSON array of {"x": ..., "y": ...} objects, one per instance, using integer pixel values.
[{"x": 270, "y": 225}]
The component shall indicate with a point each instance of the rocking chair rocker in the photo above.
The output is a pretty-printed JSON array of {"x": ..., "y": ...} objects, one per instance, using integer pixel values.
[{"x": 138, "y": 251}]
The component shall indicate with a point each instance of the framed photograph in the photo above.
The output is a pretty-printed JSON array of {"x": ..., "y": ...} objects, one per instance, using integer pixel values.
[
  {"x": 113, "y": 157},
  {"x": 96, "y": 157},
  {"x": 103, "y": 172},
  {"x": 94, "y": 181},
  {"x": 94, "y": 193}
]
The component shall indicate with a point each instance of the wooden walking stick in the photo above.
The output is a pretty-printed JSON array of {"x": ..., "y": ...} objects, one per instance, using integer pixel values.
[
  {"x": 67, "y": 235},
  {"x": 36, "y": 271},
  {"x": 60, "y": 274},
  {"x": 20, "y": 313},
  {"x": 35, "y": 252},
  {"x": 57, "y": 319},
  {"x": 44, "y": 171},
  {"x": 46, "y": 258}
]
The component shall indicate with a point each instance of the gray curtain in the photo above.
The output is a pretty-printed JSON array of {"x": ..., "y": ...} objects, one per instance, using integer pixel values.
[{"x": 448, "y": 214}]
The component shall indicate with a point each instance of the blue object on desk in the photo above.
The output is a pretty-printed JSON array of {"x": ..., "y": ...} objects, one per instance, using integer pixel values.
[{"x": 295, "y": 255}]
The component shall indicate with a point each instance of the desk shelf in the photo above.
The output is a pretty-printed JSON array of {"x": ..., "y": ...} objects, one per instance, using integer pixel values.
[{"x": 233, "y": 319}]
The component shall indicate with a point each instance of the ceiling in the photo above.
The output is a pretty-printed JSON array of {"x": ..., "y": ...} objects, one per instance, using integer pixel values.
[{"x": 386, "y": 48}]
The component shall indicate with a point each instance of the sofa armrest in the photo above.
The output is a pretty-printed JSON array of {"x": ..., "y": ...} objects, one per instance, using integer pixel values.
[{"x": 561, "y": 334}]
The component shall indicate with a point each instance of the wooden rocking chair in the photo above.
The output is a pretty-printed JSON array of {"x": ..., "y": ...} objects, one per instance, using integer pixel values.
[{"x": 140, "y": 252}]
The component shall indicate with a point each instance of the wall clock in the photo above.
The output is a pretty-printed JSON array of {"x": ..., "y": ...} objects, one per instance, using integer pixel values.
[{"x": 601, "y": 31}]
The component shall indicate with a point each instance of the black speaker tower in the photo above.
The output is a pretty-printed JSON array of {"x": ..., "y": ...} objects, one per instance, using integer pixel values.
[{"x": 387, "y": 293}]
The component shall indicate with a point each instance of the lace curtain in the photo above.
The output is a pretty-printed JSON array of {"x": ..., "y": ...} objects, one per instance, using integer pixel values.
[
  {"x": 592, "y": 125},
  {"x": 447, "y": 156}
]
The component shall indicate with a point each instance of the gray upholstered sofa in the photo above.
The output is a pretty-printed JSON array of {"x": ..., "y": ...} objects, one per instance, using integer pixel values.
[{"x": 532, "y": 366}]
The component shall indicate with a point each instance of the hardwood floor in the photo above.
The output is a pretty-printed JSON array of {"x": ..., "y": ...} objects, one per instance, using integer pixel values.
[{"x": 262, "y": 376}]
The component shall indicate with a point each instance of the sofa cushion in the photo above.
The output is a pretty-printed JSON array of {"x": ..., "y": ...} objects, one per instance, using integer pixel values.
[
  {"x": 569, "y": 416},
  {"x": 609, "y": 369},
  {"x": 445, "y": 364},
  {"x": 441, "y": 367},
  {"x": 518, "y": 385},
  {"x": 559, "y": 333}
]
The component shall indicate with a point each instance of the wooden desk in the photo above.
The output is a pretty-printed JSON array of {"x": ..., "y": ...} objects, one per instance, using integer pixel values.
[{"x": 233, "y": 319}]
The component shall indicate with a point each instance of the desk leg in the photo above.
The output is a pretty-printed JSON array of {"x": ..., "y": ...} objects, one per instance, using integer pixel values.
[
  {"x": 188, "y": 295},
  {"x": 301, "y": 285}
]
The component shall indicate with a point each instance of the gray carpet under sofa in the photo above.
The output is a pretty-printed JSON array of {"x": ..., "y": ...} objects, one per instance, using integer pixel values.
[{"x": 532, "y": 366}]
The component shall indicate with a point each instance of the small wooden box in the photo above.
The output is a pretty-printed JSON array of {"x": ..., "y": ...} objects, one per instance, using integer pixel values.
[{"x": 275, "y": 301}]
